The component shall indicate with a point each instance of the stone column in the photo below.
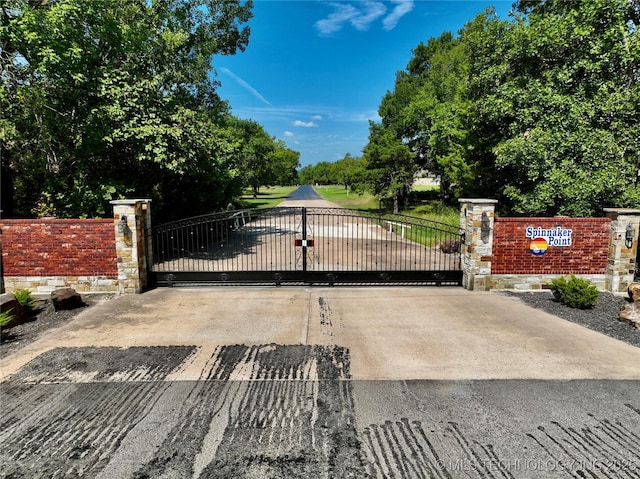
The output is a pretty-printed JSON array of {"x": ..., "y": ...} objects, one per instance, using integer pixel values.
[
  {"x": 477, "y": 247},
  {"x": 621, "y": 264},
  {"x": 131, "y": 220}
]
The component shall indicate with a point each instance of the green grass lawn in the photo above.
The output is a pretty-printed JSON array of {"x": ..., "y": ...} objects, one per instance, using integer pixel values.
[
  {"x": 435, "y": 211},
  {"x": 348, "y": 199},
  {"x": 267, "y": 198},
  {"x": 428, "y": 209},
  {"x": 426, "y": 188}
]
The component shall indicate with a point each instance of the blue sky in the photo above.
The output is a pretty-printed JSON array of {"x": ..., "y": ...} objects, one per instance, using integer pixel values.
[{"x": 314, "y": 72}]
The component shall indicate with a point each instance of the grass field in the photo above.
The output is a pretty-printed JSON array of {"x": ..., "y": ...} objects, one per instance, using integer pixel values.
[
  {"x": 267, "y": 198},
  {"x": 429, "y": 209},
  {"x": 348, "y": 199},
  {"x": 435, "y": 211}
]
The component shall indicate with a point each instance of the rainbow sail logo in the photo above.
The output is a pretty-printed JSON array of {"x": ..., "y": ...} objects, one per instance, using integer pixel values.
[
  {"x": 542, "y": 239},
  {"x": 538, "y": 246}
]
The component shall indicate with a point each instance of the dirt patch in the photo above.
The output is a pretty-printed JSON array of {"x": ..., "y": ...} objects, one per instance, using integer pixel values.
[{"x": 43, "y": 319}]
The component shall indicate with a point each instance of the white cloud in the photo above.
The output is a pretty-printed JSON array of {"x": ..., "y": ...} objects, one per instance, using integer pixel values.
[
  {"x": 335, "y": 21},
  {"x": 288, "y": 134},
  {"x": 245, "y": 85},
  {"x": 360, "y": 17},
  {"x": 316, "y": 117},
  {"x": 304, "y": 124},
  {"x": 372, "y": 11},
  {"x": 402, "y": 8}
]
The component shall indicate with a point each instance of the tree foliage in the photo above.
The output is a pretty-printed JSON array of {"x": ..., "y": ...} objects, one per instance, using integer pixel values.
[
  {"x": 390, "y": 166},
  {"x": 262, "y": 160},
  {"x": 103, "y": 99},
  {"x": 348, "y": 171},
  {"x": 541, "y": 111},
  {"x": 560, "y": 95}
]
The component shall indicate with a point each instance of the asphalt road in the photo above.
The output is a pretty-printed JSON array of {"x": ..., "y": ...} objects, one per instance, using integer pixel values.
[
  {"x": 320, "y": 382},
  {"x": 304, "y": 192}
]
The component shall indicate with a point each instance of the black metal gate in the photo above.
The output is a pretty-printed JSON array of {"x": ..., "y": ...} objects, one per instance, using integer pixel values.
[{"x": 305, "y": 246}]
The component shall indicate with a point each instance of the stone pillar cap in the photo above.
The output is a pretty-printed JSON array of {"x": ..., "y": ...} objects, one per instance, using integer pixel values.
[
  {"x": 129, "y": 202},
  {"x": 622, "y": 211},
  {"x": 478, "y": 201}
]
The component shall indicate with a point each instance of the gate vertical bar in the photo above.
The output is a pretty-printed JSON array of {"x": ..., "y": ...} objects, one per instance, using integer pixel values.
[{"x": 304, "y": 237}]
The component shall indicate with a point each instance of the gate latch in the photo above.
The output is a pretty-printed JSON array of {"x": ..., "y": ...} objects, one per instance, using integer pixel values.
[{"x": 304, "y": 243}]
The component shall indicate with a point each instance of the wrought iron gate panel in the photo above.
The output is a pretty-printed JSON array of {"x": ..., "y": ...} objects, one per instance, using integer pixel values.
[{"x": 305, "y": 245}]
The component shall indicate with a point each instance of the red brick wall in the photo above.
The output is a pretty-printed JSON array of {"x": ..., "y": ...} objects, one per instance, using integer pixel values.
[
  {"x": 56, "y": 247},
  {"x": 587, "y": 253}
]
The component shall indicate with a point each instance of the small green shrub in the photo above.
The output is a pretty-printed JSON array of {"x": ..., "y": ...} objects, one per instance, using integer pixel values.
[
  {"x": 5, "y": 318},
  {"x": 25, "y": 299},
  {"x": 575, "y": 292}
]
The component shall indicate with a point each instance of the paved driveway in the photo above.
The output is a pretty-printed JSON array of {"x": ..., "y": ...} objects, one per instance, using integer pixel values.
[{"x": 320, "y": 382}]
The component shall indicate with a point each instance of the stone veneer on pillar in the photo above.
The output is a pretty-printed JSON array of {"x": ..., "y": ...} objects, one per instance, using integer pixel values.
[
  {"x": 623, "y": 252},
  {"x": 131, "y": 218},
  {"x": 476, "y": 220}
]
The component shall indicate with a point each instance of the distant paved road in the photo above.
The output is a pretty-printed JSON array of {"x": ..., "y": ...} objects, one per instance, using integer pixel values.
[
  {"x": 304, "y": 192},
  {"x": 306, "y": 196}
]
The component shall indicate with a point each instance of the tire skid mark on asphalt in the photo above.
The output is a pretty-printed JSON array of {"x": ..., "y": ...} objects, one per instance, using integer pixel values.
[
  {"x": 476, "y": 457},
  {"x": 288, "y": 413},
  {"x": 636, "y": 410},
  {"x": 402, "y": 449},
  {"x": 291, "y": 413},
  {"x": 66, "y": 412},
  {"x": 90, "y": 422},
  {"x": 177, "y": 453},
  {"x": 276, "y": 362},
  {"x": 604, "y": 448},
  {"x": 103, "y": 364},
  {"x": 11, "y": 417},
  {"x": 388, "y": 455}
]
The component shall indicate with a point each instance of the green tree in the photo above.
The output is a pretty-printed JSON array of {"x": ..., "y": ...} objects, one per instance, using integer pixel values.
[
  {"x": 556, "y": 105},
  {"x": 427, "y": 110},
  {"x": 541, "y": 111},
  {"x": 350, "y": 172},
  {"x": 390, "y": 165},
  {"x": 321, "y": 173},
  {"x": 284, "y": 163},
  {"x": 253, "y": 158},
  {"x": 305, "y": 175},
  {"x": 107, "y": 98}
]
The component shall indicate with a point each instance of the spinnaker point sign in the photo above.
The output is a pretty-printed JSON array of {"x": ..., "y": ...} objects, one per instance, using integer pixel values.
[{"x": 543, "y": 238}]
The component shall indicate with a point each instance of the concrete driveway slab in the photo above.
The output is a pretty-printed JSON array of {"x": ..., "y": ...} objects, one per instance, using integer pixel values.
[
  {"x": 391, "y": 333},
  {"x": 320, "y": 382}
]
